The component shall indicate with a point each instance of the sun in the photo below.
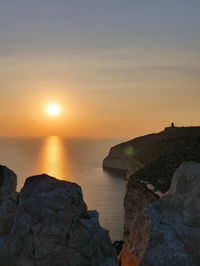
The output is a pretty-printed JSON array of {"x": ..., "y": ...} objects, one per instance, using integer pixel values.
[{"x": 53, "y": 109}]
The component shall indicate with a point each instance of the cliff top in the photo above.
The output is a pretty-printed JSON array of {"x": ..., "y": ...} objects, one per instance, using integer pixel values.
[{"x": 167, "y": 133}]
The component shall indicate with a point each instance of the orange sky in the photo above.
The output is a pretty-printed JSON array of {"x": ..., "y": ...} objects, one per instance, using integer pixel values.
[{"x": 126, "y": 70}]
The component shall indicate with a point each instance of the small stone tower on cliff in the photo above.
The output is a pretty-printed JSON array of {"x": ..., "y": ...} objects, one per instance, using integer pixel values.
[{"x": 172, "y": 124}]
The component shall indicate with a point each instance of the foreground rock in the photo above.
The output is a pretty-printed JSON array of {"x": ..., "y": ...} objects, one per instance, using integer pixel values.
[
  {"x": 8, "y": 201},
  {"x": 168, "y": 231},
  {"x": 8, "y": 182},
  {"x": 49, "y": 225}
]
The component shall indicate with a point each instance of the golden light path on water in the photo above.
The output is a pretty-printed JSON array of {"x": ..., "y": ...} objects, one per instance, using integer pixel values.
[
  {"x": 53, "y": 159},
  {"x": 76, "y": 160}
]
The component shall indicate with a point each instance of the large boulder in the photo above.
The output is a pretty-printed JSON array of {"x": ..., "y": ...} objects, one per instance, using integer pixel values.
[
  {"x": 167, "y": 232},
  {"x": 52, "y": 226}
]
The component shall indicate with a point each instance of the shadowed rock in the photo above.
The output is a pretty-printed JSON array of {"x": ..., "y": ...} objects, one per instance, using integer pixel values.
[
  {"x": 8, "y": 200},
  {"x": 51, "y": 226},
  {"x": 8, "y": 181},
  {"x": 168, "y": 231}
]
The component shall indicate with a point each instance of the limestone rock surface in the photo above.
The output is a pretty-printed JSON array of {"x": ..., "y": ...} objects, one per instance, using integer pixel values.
[
  {"x": 167, "y": 232},
  {"x": 137, "y": 197},
  {"x": 49, "y": 224}
]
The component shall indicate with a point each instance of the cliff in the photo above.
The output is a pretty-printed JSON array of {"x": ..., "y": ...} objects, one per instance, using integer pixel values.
[
  {"x": 167, "y": 232},
  {"x": 154, "y": 177},
  {"x": 150, "y": 162},
  {"x": 48, "y": 223},
  {"x": 120, "y": 156}
]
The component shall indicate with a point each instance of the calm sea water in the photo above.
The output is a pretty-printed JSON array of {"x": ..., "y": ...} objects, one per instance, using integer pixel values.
[{"x": 74, "y": 159}]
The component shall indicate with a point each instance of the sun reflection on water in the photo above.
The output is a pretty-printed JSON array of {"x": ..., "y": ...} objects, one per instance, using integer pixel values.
[{"x": 53, "y": 159}]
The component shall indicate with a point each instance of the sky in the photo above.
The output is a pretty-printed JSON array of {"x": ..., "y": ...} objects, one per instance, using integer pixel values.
[{"x": 117, "y": 68}]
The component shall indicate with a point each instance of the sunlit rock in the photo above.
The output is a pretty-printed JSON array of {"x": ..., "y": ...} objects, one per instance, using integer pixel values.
[
  {"x": 168, "y": 231},
  {"x": 137, "y": 197}
]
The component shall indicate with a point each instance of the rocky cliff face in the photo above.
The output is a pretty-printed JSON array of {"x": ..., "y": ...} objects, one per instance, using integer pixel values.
[
  {"x": 137, "y": 197},
  {"x": 120, "y": 156},
  {"x": 154, "y": 177},
  {"x": 150, "y": 162},
  {"x": 168, "y": 231},
  {"x": 47, "y": 223}
]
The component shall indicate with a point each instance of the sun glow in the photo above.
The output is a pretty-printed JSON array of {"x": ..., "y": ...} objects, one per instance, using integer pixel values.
[{"x": 53, "y": 109}]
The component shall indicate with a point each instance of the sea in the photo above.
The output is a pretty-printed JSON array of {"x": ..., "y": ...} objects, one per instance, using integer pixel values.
[{"x": 77, "y": 160}]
